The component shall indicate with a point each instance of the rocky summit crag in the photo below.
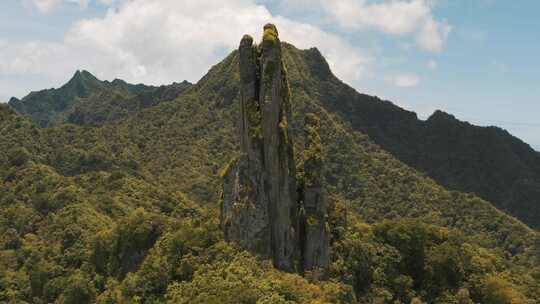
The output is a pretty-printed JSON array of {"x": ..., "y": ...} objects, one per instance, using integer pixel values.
[{"x": 265, "y": 208}]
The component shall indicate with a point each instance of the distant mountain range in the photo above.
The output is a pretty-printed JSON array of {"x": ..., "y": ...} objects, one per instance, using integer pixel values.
[{"x": 87, "y": 100}]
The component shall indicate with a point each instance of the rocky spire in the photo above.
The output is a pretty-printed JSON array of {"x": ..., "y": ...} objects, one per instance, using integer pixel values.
[
  {"x": 260, "y": 203},
  {"x": 274, "y": 98},
  {"x": 244, "y": 210},
  {"x": 314, "y": 233},
  {"x": 250, "y": 114}
]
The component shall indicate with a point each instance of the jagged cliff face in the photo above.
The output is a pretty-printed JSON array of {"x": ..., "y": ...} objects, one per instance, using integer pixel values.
[
  {"x": 260, "y": 195},
  {"x": 314, "y": 227},
  {"x": 278, "y": 150},
  {"x": 244, "y": 214}
]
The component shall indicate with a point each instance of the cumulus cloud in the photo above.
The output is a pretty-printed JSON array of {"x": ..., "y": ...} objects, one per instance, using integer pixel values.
[
  {"x": 47, "y": 6},
  {"x": 395, "y": 17},
  {"x": 348, "y": 62},
  {"x": 44, "y": 5},
  {"x": 162, "y": 41},
  {"x": 29, "y": 58},
  {"x": 433, "y": 34},
  {"x": 404, "y": 80}
]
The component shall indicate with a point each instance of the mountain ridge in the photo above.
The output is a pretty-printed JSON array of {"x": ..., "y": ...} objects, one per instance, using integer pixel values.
[
  {"x": 488, "y": 161},
  {"x": 421, "y": 144},
  {"x": 125, "y": 210},
  {"x": 56, "y": 105}
]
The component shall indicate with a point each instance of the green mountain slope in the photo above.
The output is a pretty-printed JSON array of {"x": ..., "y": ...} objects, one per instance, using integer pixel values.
[
  {"x": 126, "y": 212},
  {"x": 87, "y": 100},
  {"x": 487, "y": 161},
  {"x": 44, "y": 106}
]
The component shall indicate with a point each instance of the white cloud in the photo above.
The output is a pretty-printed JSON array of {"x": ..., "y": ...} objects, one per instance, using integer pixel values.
[
  {"x": 433, "y": 34},
  {"x": 404, "y": 80},
  {"x": 158, "y": 42},
  {"x": 347, "y": 62},
  {"x": 47, "y": 6},
  {"x": 395, "y": 17},
  {"x": 432, "y": 64},
  {"x": 34, "y": 58}
]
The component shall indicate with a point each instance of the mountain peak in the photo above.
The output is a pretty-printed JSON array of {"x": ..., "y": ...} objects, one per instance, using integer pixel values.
[
  {"x": 440, "y": 115},
  {"x": 13, "y": 100},
  {"x": 184, "y": 82},
  {"x": 317, "y": 64},
  {"x": 82, "y": 77},
  {"x": 81, "y": 84}
]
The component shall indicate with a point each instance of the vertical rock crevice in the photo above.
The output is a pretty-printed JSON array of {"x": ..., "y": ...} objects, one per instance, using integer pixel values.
[
  {"x": 260, "y": 203},
  {"x": 280, "y": 181},
  {"x": 315, "y": 236},
  {"x": 244, "y": 210}
]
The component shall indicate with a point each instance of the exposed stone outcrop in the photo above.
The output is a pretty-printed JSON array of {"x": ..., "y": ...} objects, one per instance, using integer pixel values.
[
  {"x": 315, "y": 235},
  {"x": 245, "y": 208},
  {"x": 260, "y": 198},
  {"x": 278, "y": 151}
]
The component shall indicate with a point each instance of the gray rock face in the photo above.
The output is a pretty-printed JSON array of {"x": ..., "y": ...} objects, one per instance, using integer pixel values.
[
  {"x": 315, "y": 236},
  {"x": 260, "y": 204},
  {"x": 244, "y": 211},
  {"x": 250, "y": 113},
  {"x": 279, "y": 163},
  {"x": 245, "y": 208}
]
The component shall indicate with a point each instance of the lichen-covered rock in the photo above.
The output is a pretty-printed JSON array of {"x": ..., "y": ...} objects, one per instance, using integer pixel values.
[
  {"x": 244, "y": 210},
  {"x": 260, "y": 195},
  {"x": 250, "y": 114},
  {"x": 314, "y": 234},
  {"x": 279, "y": 162}
]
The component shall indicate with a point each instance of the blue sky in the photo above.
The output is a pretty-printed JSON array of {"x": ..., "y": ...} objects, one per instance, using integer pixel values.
[{"x": 478, "y": 60}]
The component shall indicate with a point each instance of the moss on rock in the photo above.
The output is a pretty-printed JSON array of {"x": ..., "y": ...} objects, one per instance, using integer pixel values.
[{"x": 270, "y": 34}]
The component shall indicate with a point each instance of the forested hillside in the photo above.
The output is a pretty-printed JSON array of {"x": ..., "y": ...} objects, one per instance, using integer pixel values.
[
  {"x": 487, "y": 161},
  {"x": 125, "y": 210}
]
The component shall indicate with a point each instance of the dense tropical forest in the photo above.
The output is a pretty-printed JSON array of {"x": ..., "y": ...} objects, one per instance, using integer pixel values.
[{"x": 110, "y": 192}]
